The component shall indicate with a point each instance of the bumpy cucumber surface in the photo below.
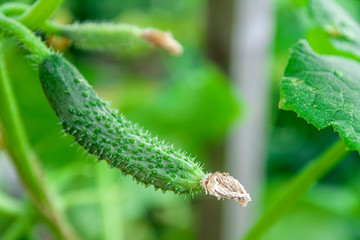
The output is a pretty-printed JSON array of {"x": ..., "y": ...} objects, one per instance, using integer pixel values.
[{"x": 108, "y": 135}]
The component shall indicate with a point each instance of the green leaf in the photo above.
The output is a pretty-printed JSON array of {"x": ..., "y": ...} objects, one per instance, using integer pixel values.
[
  {"x": 342, "y": 28},
  {"x": 324, "y": 90}
]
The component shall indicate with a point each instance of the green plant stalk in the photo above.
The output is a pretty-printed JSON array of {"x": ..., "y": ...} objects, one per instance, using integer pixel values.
[
  {"x": 54, "y": 28},
  {"x": 20, "y": 32},
  {"x": 13, "y": 8},
  {"x": 35, "y": 16},
  {"x": 23, "y": 158},
  {"x": 297, "y": 188},
  {"x": 16, "y": 9},
  {"x": 14, "y": 135}
]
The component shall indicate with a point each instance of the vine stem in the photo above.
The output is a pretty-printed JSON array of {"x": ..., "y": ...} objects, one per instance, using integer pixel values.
[
  {"x": 297, "y": 187},
  {"x": 13, "y": 8},
  {"x": 32, "y": 43},
  {"x": 35, "y": 16},
  {"x": 24, "y": 159}
]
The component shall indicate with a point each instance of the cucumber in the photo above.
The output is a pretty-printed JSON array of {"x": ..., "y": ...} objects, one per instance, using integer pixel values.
[{"x": 107, "y": 134}]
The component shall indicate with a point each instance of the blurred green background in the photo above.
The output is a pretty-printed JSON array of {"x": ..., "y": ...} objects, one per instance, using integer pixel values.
[{"x": 190, "y": 101}]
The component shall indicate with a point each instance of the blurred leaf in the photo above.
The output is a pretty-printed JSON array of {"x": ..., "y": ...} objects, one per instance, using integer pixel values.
[
  {"x": 343, "y": 30},
  {"x": 292, "y": 24},
  {"x": 308, "y": 222},
  {"x": 300, "y": 3},
  {"x": 324, "y": 90},
  {"x": 9, "y": 206},
  {"x": 340, "y": 201}
]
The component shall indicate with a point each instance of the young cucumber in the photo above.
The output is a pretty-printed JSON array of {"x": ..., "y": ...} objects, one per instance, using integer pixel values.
[{"x": 108, "y": 135}]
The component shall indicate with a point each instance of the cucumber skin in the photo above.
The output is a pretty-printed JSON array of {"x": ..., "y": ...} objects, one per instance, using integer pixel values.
[{"x": 108, "y": 135}]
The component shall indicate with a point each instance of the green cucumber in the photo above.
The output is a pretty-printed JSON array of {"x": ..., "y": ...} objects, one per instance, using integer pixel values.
[{"x": 108, "y": 135}]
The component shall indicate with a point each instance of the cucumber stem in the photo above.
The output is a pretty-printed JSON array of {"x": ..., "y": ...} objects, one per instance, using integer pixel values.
[
  {"x": 297, "y": 188},
  {"x": 13, "y": 8},
  {"x": 33, "y": 44},
  {"x": 35, "y": 16}
]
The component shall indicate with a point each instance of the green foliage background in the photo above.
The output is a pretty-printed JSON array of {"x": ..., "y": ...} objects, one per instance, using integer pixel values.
[{"x": 190, "y": 102}]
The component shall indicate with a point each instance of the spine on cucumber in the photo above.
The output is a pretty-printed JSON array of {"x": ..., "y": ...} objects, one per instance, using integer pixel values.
[{"x": 108, "y": 135}]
